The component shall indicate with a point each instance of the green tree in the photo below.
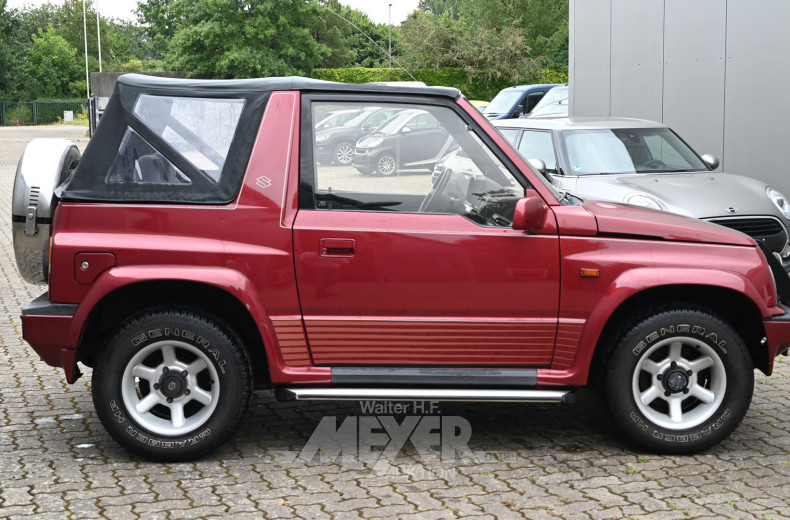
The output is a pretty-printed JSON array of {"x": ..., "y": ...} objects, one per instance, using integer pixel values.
[
  {"x": 494, "y": 54},
  {"x": 8, "y": 52},
  {"x": 544, "y": 22},
  {"x": 158, "y": 21},
  {"x": 440, "y": 7},
  {"x": 353, "y": 40},
  {"x": 50, "y": 67},
  {"x": 245, "y": 38}
]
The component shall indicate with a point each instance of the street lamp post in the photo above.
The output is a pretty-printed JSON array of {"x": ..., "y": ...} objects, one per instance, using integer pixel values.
[
  {"x": 98, "y": 32},
  {"x": 85, "y": 34},
  {"x": 390, "y": 25}
]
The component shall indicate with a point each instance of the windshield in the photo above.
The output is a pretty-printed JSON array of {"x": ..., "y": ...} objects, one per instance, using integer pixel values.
[
  {"x": 393, "y": 124},
  {"x": 628, "y": 150},
  {"x": 358, "y": 119},
  {"x": 503, "y": 102},
  {"x": 554, "y": 95},
  {"x": 336, "y": 119},
  {"x": 559, "y": 108}
]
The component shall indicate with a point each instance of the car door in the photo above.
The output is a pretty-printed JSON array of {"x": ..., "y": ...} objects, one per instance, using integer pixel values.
[{"x": 400, "y": 271}]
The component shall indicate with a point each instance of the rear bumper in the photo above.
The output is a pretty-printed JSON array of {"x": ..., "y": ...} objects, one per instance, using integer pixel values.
[{"x": 45, "y": 326}]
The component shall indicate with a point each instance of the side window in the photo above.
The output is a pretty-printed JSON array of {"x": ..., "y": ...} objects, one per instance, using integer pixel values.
[
  {"x": 423, "y": 159},
  {"x": 200, "y": 130},
  {"x": 138, "y": 163},
  {"x": 532, "y": 100},
  {"x": 539, "y": 145},
  {"x": 511, "y": 134}
]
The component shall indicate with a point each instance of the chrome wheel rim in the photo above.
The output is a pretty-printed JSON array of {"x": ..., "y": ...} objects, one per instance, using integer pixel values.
[
  {"x": 386, "y": 165},
  {"x": 170, "y": 388},
  {"x": 344, "y": 153},
  {"x": 679, "y": 383}
]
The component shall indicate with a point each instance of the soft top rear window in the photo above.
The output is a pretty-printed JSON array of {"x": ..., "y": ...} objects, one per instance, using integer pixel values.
[
  {"x": 169, "y": 141},
  {"x": 199, "y": 129}
]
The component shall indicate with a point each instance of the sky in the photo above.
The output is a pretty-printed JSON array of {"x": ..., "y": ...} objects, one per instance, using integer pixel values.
[{"x": 377, "y": 10}]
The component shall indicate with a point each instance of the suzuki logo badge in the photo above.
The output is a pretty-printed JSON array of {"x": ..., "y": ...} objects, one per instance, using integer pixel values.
[{"x": 263, "y": 182}]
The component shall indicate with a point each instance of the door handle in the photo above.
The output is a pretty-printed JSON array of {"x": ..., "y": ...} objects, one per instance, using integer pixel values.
[{"x": 337, "y": 247}]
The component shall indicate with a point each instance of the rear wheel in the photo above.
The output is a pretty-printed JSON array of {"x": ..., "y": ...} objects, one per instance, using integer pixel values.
[
  {"x": 344, "y": 153},
  {"x": 679, "y": 381},
  {"x": 171, "y": 384}
]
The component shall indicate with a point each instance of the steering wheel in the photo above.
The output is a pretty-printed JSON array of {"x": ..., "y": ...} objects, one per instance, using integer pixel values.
[{"x": 655, "y": 164}]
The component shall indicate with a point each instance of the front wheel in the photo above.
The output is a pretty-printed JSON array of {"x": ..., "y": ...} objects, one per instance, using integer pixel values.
[
  {"x": 678, "y": 381},
  {"x": 386, "y": 165},
  {"x": 171, "y": 385}
]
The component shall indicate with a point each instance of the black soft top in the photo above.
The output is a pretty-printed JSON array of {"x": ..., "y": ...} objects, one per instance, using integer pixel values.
[
  {"x": 198, "y": 87},
  {"x": 93, "y": 180}
]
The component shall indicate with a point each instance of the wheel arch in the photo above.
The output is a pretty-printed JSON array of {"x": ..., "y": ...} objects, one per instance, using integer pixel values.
[
  {"x": 733, "y": 306},
  {"x": 119, "y": 304}
]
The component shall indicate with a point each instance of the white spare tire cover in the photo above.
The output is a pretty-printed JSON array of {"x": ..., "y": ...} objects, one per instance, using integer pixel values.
[{"x": 43, "y": 166}]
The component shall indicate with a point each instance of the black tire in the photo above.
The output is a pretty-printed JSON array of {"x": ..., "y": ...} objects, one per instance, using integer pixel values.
[
  {"x": 386, "y": 165},
  {"x": 147, "y": 361},
  {"x": 343, "y": 153},
  {"x": 686, "y": 407}
]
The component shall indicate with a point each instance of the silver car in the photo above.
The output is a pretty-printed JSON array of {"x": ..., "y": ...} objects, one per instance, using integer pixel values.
[{"x": 646, "y": 164}]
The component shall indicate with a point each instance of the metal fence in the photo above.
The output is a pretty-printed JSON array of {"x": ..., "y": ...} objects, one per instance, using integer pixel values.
[{"x": 39, "y": 112}]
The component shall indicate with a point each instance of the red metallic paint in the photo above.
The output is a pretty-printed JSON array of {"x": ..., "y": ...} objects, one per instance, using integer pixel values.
[
  {"x": 419, "y": 289},
  {"x": 417, "y": 267}
]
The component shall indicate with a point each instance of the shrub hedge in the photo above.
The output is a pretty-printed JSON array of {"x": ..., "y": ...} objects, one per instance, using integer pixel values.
[{"x": 473, "y": 87}]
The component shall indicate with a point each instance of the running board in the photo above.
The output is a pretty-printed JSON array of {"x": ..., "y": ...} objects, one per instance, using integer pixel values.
[{"x": 424, "y": 394}]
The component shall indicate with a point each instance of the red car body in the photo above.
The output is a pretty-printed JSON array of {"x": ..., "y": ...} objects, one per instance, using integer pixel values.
[{"x": 330, "y": 289}]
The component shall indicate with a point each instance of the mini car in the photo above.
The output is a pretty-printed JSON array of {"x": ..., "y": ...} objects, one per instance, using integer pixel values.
[
  {"x": 646, "y": 164},
  {"x": 413, "y": 139},
  {"x": 336, "y": 144}
]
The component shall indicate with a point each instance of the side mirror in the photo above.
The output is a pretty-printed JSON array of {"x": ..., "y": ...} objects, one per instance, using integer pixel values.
[
  {"x": 405, "y": 130},
  {"x": 538, "y": 165},
  {"x": 711, "y": 160},
  {"x": 518, "y": 112},
  {"x": 530, "y": 214}
]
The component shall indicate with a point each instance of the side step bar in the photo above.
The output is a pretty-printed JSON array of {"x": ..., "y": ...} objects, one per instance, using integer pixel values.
[{"x": 424, "y": 394}]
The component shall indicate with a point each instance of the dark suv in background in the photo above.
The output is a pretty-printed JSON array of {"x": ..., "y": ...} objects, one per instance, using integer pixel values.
[{"x": 336, "y": 145}]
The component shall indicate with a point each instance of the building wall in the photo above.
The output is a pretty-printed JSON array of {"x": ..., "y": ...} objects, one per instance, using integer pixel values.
[{"x": 717, "y": 71}]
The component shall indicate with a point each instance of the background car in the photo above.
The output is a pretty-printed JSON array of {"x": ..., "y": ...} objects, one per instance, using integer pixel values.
[
  {"x": 557, "y": 109},
  {"x": 646, "y": 164},
  {"x": 556, "y": 95},
  {"x": 336, "y": 145},
  {"x": 336, "y": 118},
  {"x": 412, "y": 139},
  {"x": 516, "y": 101}
]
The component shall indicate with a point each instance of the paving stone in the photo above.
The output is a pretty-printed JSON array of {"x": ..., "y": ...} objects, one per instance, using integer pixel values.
[{"x": 527, "y": 461}]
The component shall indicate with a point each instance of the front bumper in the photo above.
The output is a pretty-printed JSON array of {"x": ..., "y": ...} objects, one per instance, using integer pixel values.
[
  {"x": 45, "y": 326},
  {"x": 777, "y": 333}
]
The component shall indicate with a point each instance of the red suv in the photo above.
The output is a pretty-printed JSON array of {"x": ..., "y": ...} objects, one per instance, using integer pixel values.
[{"x": 198, "y": 251}]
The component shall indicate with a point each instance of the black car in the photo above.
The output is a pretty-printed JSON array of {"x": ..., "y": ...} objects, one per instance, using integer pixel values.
[
  {"x": 336, "y": 145},
  {"x": 412, "y": 139}
]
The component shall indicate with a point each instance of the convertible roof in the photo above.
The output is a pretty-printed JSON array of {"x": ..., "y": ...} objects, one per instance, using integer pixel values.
[
  {"x": 230, "y": 86},
  {"x": 90, "y": 181}
]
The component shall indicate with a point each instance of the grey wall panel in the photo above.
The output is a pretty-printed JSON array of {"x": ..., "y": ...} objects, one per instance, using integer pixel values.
[
  {"x": 637, "y": 58},
  {"x": 757, "y": 113},
  {"x": 694, "y": 67},
  {"x": 589, "y": 69}
]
